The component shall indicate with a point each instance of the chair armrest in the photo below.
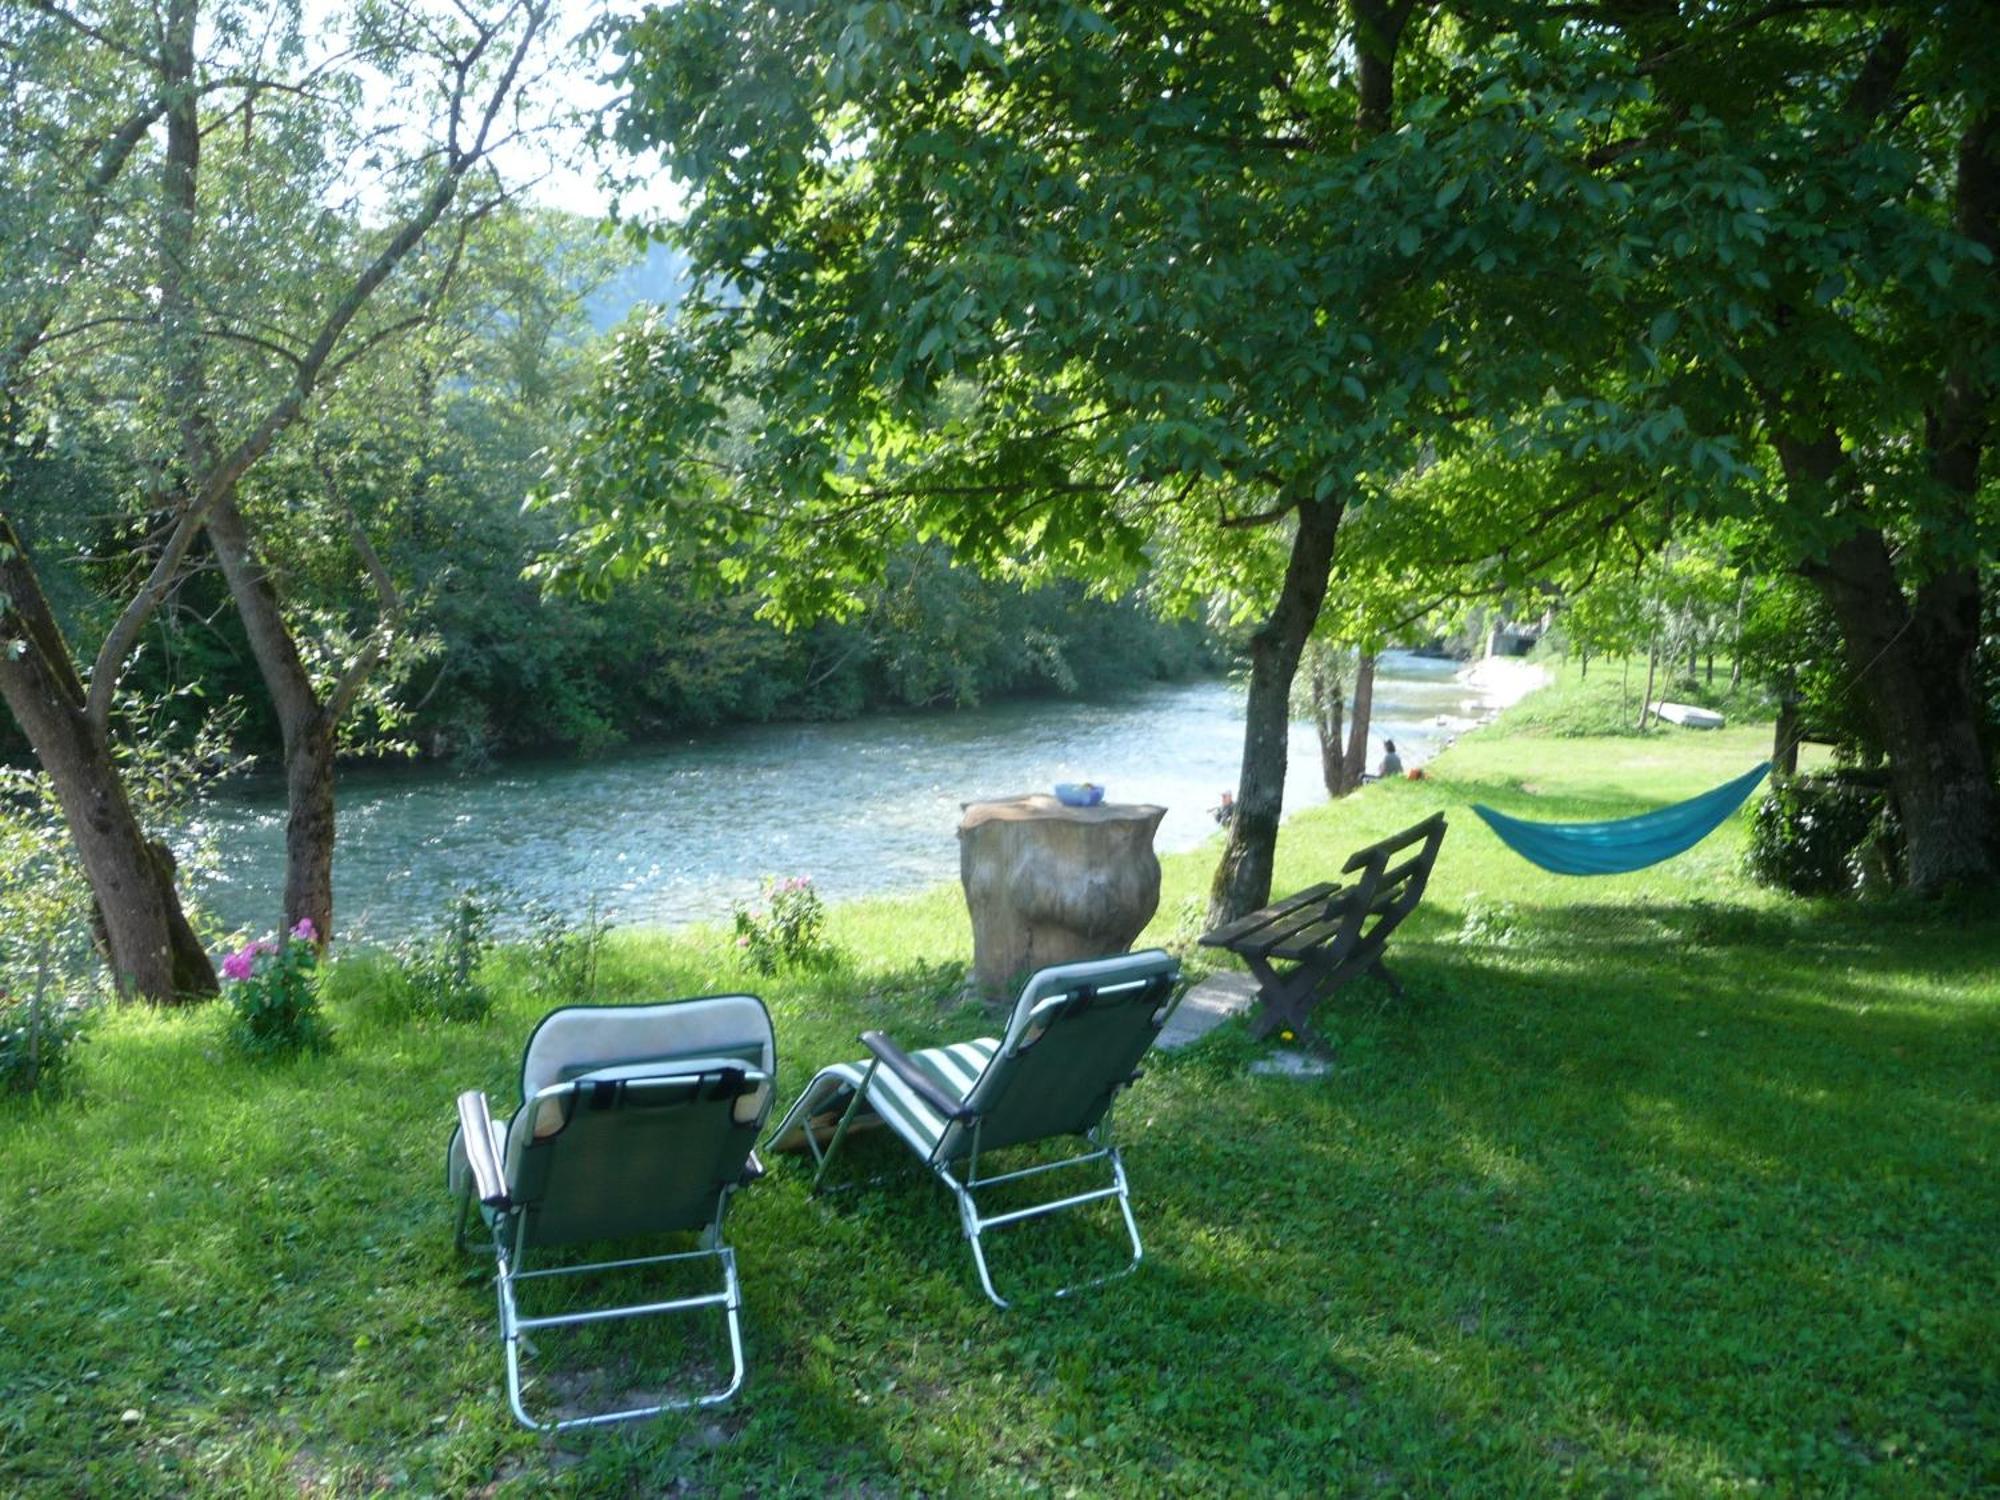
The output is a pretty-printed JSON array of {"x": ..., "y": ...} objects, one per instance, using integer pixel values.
[
  {"x": 914, "y": 1078},
  {"x": 475, "y": 1128}
]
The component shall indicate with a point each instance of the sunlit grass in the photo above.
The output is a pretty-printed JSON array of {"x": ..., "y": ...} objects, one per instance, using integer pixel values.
[{"x": 1656, "y": 1183}]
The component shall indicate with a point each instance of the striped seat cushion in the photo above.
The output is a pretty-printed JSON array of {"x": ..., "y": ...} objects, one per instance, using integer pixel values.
[{"x": 954, "y": 1069}]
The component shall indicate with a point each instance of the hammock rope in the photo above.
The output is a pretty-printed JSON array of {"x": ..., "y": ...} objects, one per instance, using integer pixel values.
[{"x": 1622, "y": 845}]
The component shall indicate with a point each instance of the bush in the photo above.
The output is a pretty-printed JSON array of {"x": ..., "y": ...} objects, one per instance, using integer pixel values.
[
  {"x": 442, "y": 970},
  {"x": 38, "y": 1033},
  {"x": 1825, "y": 835},
  {"x": 274, "y": 991},
  {"x": 565, "y": 953},
  {"x": 788, "y": 931},
  {"x": 50, "y": 974}
]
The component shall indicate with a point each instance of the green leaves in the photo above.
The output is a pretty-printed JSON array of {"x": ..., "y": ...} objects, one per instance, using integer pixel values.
[{"x": 1069, "y": 291}]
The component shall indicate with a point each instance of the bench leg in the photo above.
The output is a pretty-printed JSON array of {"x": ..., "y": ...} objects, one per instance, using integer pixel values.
[{"x": 1285, "y": 1002}]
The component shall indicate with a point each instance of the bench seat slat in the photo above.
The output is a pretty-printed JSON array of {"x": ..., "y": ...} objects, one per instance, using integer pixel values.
[
  {"x": 1308, "y": 941},
  {"x": 1227, "y": 935},
  {"x": 1281, "y": 931}
]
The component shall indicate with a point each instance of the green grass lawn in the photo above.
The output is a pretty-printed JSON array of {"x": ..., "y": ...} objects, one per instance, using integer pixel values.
[{"x": 1655, "y": 1184}]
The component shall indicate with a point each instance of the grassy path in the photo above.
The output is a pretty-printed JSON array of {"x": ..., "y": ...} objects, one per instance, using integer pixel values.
[{"x": 1658, "y": 1184}]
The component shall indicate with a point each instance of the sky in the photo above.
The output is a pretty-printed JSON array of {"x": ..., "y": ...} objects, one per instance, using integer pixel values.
[
  {"x": 553, "y": 158},
  {"x": 569, "y": 179}
]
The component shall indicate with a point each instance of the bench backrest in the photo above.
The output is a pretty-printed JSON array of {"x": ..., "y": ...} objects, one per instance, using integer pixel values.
[{"x": 1393, "y": 873}]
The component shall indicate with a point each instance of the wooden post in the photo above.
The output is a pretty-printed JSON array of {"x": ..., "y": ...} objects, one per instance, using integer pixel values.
[{"x": 1785, "y": 740}]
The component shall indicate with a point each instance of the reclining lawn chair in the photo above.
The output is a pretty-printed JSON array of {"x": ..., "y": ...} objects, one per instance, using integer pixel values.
[
  {"x": 1075, "y": 1039},
  {"x": 634, "y": 1120}
]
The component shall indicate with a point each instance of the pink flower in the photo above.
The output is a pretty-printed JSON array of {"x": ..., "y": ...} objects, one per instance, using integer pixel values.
[
  {"x": 305, "y": 931},
  {"x": 743, "y": 942},
  {"x": 265, "y": 945},
  {"x": 239, "y": 964}
]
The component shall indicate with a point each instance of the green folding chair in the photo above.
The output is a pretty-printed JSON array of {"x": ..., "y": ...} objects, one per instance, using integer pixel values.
[
  {"x": 1074, "y": 1040},
  {"x": 634, "y": 1120}
]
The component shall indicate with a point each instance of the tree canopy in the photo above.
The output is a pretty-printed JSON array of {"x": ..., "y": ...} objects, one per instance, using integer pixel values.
[{"x": 1510, "y": 288}]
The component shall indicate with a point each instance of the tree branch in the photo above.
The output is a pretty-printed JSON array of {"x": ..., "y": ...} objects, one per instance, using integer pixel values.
[
  {"x": 96, "y": 33},
  {"x": 111, "y": 161},
  {"x": 222, "y": 477},
  {"x": 393, "y": 615}
]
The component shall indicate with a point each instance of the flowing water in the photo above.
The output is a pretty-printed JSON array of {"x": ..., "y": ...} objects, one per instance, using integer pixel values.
[{"x": 676, "y": 833}]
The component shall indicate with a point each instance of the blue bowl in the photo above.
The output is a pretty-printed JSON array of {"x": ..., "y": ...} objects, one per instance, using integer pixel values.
[{"x": 1079, "y": 793}]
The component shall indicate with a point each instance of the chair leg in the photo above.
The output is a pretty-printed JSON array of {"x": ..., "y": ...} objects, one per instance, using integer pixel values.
[
  {"x": 464, "y": 1215},
  {"x": 513, "y": 1332},
  {"x": 975, "y": 1224},
  {"x": 840, "y": 1131}
]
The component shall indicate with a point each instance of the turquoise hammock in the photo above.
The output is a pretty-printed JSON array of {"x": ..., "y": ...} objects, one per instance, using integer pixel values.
[{"x": 1623, "y": 844}]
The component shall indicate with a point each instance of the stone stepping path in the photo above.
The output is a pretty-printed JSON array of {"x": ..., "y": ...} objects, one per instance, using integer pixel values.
[
  {"x": 1207, "y": 1006},
  {"x": 1215, "y": 1000}
]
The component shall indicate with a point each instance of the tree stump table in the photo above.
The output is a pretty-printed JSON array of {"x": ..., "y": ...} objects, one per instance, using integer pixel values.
[{"x": 1047, "y": 883}]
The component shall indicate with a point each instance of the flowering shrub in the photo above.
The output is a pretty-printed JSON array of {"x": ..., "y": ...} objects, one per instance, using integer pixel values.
[
  {"x": 788, "y": 931},
  {"x": 274, "y": 991}
]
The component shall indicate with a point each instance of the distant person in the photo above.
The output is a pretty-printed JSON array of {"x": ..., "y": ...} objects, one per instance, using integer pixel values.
[
  {"x": 1224, "y": 810},
  {"x": 1392, "y": 763}
]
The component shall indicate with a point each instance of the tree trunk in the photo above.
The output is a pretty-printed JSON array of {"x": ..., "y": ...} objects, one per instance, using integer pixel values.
[
  {"x": 309, "y": 826},
  {"x": 1583, "y": 666},
  {"x": 1243, "y": 878},
  {"x": 1913, "y": 661},
  {"x": 1652, "y": 663},
  {"x": 1329, "y": 709},
  {"x": 150, "y": 947},
  {"x": 1356, "y": 764},
  {"x": 305, "y": 727},
  {"x": 1913, "y": 653},
  {"x": 1736, "y": 642}
]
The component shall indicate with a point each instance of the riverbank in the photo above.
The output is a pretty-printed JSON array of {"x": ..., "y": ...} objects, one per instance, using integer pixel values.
[
  {"x": 673, "y": 834},
  {"x": 1657, "y": 1182}
]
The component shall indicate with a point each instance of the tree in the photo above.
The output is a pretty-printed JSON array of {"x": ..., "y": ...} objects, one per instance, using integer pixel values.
[
  {"x": 72, "y": 128},
  {"x": 1805, "y": 206},
  {"x": 223, "y": 325},
  {"x": 1496, "y": 288},
  {"x": 1061, "y": 286},
  {"x": 1860, "y": 352}
]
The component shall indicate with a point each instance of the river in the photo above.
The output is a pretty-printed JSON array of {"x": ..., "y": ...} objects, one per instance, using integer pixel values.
[{"x": 679, "y": 832}]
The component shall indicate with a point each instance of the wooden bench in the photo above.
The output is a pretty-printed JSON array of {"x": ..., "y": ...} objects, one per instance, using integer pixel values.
[{"x": 1328, "y": 934}]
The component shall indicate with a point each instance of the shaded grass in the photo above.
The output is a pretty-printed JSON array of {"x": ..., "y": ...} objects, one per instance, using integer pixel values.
[{"x": 1658, "y": 1183}]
